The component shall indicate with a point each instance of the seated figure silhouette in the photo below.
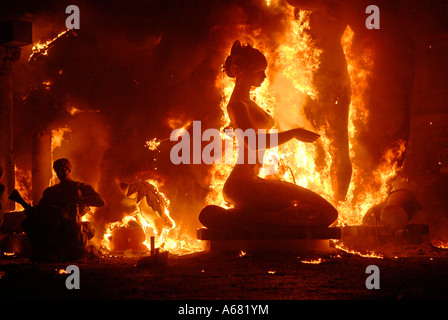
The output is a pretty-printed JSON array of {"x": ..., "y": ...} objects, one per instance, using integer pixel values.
[
  {"x": 257, "y": 201},
  {"x": 54, "y": 226}
]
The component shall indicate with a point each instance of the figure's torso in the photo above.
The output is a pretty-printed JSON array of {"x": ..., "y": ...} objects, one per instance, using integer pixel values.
[
  {"x": 254, "y": 118},
  {"x": 257, "y": 117}
]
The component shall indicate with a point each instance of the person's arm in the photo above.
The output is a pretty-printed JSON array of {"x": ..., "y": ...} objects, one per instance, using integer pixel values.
[{"x": 89, "y": 197}]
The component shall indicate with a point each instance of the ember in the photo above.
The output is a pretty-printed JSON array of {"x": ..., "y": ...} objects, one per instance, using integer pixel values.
[{"x": 314, "y": 261}]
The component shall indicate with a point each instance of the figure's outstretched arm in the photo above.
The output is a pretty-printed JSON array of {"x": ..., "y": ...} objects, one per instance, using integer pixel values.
[
  {"x": 297, "y": 133},
  {"x": 240, "y": 120},
  {"x": 273, "y": 140}
]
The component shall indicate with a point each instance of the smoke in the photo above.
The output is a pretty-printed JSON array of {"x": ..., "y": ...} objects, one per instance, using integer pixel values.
[
  {"x": 131, "y": 68},
  {"x": 136, "y": 67}
]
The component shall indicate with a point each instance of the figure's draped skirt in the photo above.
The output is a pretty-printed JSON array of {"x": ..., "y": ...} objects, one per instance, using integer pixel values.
[{"x": 259, "y": 201}]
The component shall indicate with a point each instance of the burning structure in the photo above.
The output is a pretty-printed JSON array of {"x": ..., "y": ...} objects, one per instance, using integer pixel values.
[{"x": 108, "y": 96}]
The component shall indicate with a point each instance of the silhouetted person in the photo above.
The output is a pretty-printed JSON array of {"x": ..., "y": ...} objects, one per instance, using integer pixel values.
[
  {"x": 258, "y": 200},
  {"x": 68, "y": 193},
  {"x": 54, "y": 225}
]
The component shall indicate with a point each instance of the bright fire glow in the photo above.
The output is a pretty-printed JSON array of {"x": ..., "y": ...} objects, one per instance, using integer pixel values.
[
  {"x": 312, "y": 261},
  {"x": 283, "y": 95},
  {"x": 152, "y": 144},
  {"x": 42, "y": 48},
  {"x": 364, "y": 255},
  {"x": 242, "y": 254},
  {"x": 169, "y": 237},
  {"x": 23, "y": 184},
  {"x": 73, "y": 110},
  {"x": 155, "y": 143},
  {"x": 439, "y": 244},
  {"x": 57, "y": 137},
  {"x": 289, "y": 85}
]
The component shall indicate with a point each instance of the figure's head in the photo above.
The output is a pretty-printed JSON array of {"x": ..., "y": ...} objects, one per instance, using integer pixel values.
[
  {"x": 246, "y": 63},
  {"x": 62, "y": 167}
]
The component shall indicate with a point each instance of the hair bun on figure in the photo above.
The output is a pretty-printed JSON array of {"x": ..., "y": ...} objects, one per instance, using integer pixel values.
[{"x": 242, "y": 58}]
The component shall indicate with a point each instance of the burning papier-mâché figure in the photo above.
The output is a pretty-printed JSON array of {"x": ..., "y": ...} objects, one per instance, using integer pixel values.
[
  {"x": 258, "y": 201},
  {"x": 330, "y": 110},
  {"x": 54, "y": 225}
]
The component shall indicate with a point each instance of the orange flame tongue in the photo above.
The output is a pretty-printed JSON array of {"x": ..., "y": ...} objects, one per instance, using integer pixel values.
[
  {"x": 295, "y": 62},
  {"x": 42, "y": 48},
  {"x": 168, "y": 236}
]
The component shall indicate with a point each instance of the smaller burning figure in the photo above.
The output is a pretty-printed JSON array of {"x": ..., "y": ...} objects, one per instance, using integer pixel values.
[{"x": 54, "y": 225}]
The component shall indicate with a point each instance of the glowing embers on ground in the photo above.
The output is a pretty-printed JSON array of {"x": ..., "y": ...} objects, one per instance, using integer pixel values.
[
  {"x": 369, "y": 254},
  {"x": 312, "y": 261}
]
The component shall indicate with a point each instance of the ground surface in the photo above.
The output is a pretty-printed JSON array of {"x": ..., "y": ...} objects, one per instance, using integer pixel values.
[{"x": 420, "y": 272}]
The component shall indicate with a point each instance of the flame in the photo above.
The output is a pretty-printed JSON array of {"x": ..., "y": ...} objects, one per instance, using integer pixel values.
[
  {"x": 42, "y": 48},
  {"x": 312, "y": 261},
  {"x": 9, "y": 254},
  {"x": 368, "y": 254},
  {"x": 361, "y": 195},
  {"x": 439, "y": 244},
  {"x": 23, "y": 184},
  {"x": 47, "y": 85},
  {"x": 57, "y": 137},
  {"x": 152, "y": 144},
  {"x": 295, "y": 61},
  {"x": 72, "y": 110},
  {"x": 155, "y": 143},
  {"x": 169, "y": 237}
]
